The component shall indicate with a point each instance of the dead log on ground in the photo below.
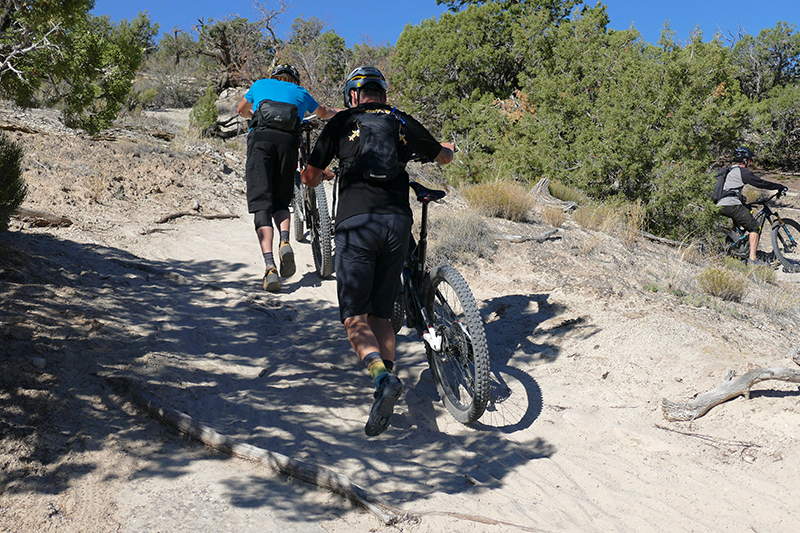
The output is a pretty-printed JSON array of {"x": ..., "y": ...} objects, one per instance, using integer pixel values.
[
  {"x": 218, "y": 128},
  {"x": 40, "y": 219},
  {"x": 524, "y": 238},
  {"x": 728, "y": 389},
  {"x": 541, "y": 192},
  {"x": 173, "y": 216}
]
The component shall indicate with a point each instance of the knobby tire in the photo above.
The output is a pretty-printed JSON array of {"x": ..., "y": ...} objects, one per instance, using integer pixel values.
[
  {"x": 321, "y": 245},
  {"x": 298, "y": 220},
  {"x": 461, "y": 368},
  {"x": 399, "y": 310},
  {"x": 787, "y": 250}
]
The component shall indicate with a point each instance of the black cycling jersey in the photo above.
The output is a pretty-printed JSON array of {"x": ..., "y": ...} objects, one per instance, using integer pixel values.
[{"x": 340, "y": 139}]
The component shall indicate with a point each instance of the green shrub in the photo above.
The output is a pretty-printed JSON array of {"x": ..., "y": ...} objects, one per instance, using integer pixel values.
[
  {"x": 204, "y": 113},
  {"x": 12, "y": 186}
]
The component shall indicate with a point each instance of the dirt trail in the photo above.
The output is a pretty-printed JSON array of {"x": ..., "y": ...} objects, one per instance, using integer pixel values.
[{"x": 582, "y": 354}]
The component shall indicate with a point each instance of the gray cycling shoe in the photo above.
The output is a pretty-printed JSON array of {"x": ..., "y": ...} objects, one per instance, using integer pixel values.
[
  {"x": 386, "y": 396},
  {"x": 288, "y": 268},
  {"x": 757, "y": 262}
]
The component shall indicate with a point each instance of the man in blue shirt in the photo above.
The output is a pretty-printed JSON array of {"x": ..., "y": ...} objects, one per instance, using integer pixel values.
[{"x": 276, "y": 105}]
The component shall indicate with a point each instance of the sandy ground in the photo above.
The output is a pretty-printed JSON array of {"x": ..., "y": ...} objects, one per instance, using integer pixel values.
[{"x": 582, "y": 353}]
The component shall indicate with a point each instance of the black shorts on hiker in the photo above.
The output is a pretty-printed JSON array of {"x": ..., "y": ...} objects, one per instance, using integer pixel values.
[
  {"x": 370, "y": 250},
  {"x": 741, "y": 216},
  {"x": 271, "y": 165}
]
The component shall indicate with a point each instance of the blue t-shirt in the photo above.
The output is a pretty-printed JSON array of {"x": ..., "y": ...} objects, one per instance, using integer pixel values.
[{"x": 281, "y": 91}]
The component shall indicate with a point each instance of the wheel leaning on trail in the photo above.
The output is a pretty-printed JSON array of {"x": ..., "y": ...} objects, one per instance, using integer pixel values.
[
  {"x": 298, "y": 215},
  {"x": 461, "y": 368},
  {"x": 298, "y": 218},
  {"x": 787, "y": 249},
  {"x": 398, "y": 311},
  {"x": 321, "y": 245}
]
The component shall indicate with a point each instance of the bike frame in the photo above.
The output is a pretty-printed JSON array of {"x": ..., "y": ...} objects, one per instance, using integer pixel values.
[
  {"x": 415, "y": 274},
  {"x": 739, "y": 236}
]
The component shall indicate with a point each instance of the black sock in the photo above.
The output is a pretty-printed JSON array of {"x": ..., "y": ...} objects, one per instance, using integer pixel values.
[
  {"x": 388, "y": 364},
  {"x": 269, "y": 260},
  {"x": 285, "y": 235}
]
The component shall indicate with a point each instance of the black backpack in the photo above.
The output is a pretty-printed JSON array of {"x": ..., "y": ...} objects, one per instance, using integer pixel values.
[
  {"x": 719, "y": 186},
  {"x": 276, "y": 115},
  {"x": 380, "y": 134}
]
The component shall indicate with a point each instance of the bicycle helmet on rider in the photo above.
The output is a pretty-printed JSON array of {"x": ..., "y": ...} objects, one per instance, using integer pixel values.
[
  {"x": 287, "y": 70},
  {"x": 361, "y": 78},
  {"x": 742, "y": 153}
]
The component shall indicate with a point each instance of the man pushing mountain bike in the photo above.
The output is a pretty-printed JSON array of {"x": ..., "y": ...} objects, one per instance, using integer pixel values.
[
  {"x": 373, "y": 142},
  {"x": 732, "y": 205},
  {"x": 275, "y": 106}
]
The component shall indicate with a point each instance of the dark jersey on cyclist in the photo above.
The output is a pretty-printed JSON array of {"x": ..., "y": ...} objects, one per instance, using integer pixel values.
[
  {"x": 340, "y": 139},
  {"x": 737, "y": 178}
]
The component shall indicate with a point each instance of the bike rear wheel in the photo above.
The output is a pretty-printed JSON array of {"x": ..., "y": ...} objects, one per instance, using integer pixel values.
[
  {"x": 321, "y": 245},
  {"x": 461, "y": 367},
  {"x": 786, "y": 244},
  {"x": 298, "y": 220}
]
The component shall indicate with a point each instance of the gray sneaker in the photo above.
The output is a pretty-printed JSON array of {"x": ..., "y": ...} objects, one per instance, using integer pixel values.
[
  {"x": 757, "y": 262},
  {"x": 271, "y": 281},
  {"x": 288, "y": 268},
  {"x": 386, "y": 396}
]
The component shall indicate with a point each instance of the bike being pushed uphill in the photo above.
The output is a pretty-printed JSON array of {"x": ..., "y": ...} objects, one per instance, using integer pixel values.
[
  {"x": 310, "y": 207},
  {"x": 439, "y": 304},
  {"x": 785, "y": 236}
]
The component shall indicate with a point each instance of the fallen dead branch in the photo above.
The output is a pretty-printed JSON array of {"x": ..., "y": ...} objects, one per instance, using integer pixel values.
[
  {"x": 173, "y": 216},
  {"x": 313, "y": 474},
  {"x": 661, "y": 239},
  {"x": 40, "y": 219},
  {"x": 541, "y": 192},
  {"x": 728, "y": 389},
  {"x": 524, "y": 238}
]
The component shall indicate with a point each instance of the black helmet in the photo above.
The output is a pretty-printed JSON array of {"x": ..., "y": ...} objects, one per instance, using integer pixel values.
[
  {"x": 742, "y": 153},
  {"x": 286, "y": 69},
  {"x": 361, "y": 78}
]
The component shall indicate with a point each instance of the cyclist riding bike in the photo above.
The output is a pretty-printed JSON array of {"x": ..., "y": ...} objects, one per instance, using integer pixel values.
[
  {"x": 732, "y": 203},
  {"x": 373, "y": 142}
]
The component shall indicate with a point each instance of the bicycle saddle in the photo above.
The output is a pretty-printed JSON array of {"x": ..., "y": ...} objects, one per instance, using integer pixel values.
[{"x": 425, "y": 194}]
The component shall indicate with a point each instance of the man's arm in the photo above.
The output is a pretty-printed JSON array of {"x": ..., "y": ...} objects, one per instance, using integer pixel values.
[
  {"x": 245, "y": 109},
  {"x": 313, "y": 176},
  {"x": 751, "y": 179},
  {"x": 445, "y": 154},
  {"x": 325, "y": 113}
]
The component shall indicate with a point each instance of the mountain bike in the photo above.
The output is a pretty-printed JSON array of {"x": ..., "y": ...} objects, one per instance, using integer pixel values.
[
  {"x": 310, "y": 207},
  {"x": 439, "y": 304},
  {"x": 785, "y": 236}
]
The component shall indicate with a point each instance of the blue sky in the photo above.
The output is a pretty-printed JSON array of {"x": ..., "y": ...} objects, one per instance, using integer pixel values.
[{"x": 382, "y": 22}]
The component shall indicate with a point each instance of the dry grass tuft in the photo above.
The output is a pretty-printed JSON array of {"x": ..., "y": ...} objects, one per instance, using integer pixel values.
[
  {"x": 459, "y": 236},
  {"x": 502, "y": 199},
  {"x": 723, "y": 283},
  {"x": 555, "y": 216}
]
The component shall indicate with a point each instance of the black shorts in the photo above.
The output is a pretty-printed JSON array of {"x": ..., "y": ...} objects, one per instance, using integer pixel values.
[
  {"x": 370, "y": 251},
  {"x": 741, "y": 216},
  {"x": 270, "y": 169}
]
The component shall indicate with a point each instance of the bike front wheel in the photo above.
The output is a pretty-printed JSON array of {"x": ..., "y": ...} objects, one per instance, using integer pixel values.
[
  {"x": 786, "y": 244},
  {"x": 321, "y": 245},
  {"x": 460, "y": 366}
]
